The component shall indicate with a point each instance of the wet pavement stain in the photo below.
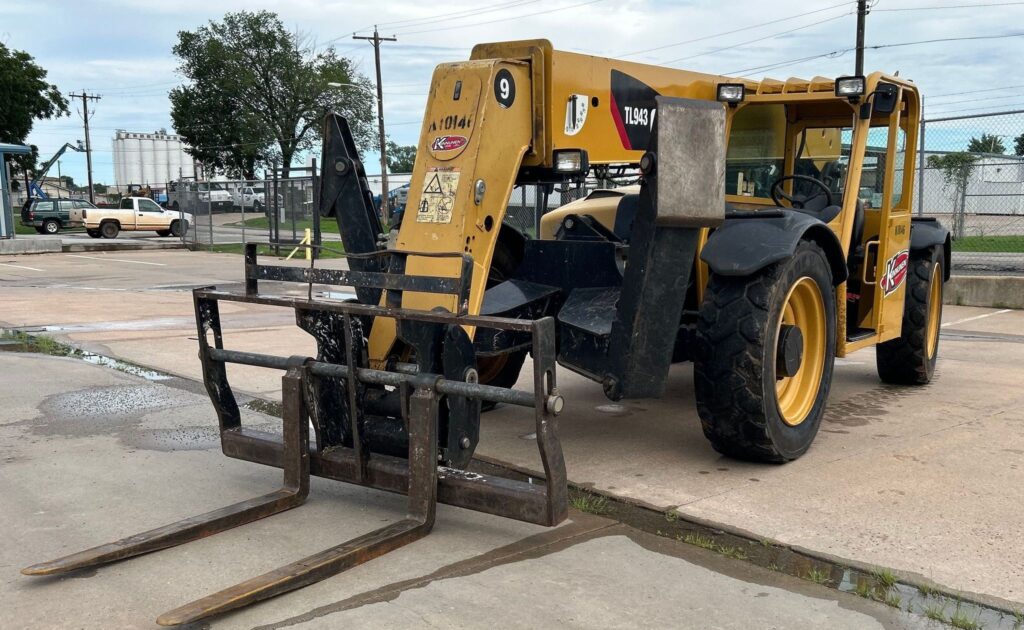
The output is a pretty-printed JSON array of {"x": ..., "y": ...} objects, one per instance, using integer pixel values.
[{"x": 861, "y": 410}]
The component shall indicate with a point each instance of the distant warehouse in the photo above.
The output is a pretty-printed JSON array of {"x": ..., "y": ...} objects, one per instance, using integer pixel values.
[{"x": 150, "y": 158}]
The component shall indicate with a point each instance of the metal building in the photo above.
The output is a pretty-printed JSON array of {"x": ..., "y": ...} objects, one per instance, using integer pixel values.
[{"x": 150, "y": 158}]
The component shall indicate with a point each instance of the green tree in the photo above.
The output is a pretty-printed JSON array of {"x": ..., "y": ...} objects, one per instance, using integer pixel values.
[
  {"x": 956, "y": 171},
  {"x": 25, "y": 97},
  {"x": 987, "y": 143},
  {"x": 269, "y": 85},
  {"x": 1018, "y": 144},
  {"x": 99, "y": 189},
  {"x": 401, "y": 158}
]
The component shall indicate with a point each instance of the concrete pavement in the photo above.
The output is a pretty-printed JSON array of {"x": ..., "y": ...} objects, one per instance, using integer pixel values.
[
  {"x": 923, "y": 480},
  {"x": 94, "y": 454}
]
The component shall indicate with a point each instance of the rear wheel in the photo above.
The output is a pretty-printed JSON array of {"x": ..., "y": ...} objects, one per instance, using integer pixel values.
[
  {"x": 51, "y": 226},
  {"x": 109, "y": 230},
  {"x": 177, "y": 228},
  {"x": 764, "y": 357},
  {"x": 910, "y": 358}
]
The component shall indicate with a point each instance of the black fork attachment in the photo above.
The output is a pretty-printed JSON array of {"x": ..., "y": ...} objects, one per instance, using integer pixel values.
[{"x": 405, "y": 427}]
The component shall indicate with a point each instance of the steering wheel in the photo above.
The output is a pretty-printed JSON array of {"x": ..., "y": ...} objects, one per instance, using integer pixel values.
[{"x": 799, "y": 202}]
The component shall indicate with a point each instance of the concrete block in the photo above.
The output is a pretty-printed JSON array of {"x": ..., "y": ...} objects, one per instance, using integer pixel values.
[
  {"x": 29, "y": 245},
  {"x": 988, "y": 291}
]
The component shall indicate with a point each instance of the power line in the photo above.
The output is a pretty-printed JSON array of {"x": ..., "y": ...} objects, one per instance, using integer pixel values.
[
  {"x": 840, "y": 52},
  {"x": 974, "y": 100},
  {"x": 738, "y": 30},
  {"x": 951, "y": 6},
  {"x": 972, "y": 109},
  {"x": 1005, "y": 87},
  {"x": 508, "y": 19},
  {"x": 754, "y": 41}
]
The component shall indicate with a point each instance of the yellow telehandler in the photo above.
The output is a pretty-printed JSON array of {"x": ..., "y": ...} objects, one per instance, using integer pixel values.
[{"x": 770, "y": 232}]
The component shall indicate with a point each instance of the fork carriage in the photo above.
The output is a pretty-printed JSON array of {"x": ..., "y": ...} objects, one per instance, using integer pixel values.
[{"x": 409, "y": 429}]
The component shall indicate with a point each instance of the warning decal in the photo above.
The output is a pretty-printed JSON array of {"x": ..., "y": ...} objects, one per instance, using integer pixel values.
[{"x": 438, "y": 198}]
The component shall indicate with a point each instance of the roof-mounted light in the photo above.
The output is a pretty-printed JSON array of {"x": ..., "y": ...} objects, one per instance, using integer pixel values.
[
  {"x": 571, "y": 162},
  {"x": 850, "y": 87},
  {"x": 731, "y": 93}
]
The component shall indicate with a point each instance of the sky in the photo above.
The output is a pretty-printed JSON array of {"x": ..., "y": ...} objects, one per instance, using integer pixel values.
[{"x": 121, "y": 49}]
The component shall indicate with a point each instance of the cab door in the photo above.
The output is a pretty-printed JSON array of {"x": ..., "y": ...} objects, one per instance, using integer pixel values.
[
  {"x": 149, "y": 216},
  {"x": 886, "y": 189}
]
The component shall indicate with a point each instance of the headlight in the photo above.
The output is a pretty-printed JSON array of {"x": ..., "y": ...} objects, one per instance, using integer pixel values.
[
  {"x": 850, "y": 87},
  {"x": 731, "y": 92},
  {"x": 571, "y": 161}
]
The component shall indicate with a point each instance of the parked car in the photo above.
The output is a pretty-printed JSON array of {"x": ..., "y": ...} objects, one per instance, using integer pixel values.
[
  {"x": 134, "y": 214},
  {"x": 249, "y": 197},
  {"x": 199, "y": 197},
  {"x": 50, "y": 216}
]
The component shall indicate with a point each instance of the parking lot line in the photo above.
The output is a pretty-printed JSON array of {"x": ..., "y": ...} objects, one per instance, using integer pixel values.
[
  {"x": 971, "y": 319},
  {"x": 20, "y": 266},
  {"x": 134, "y": 262}
]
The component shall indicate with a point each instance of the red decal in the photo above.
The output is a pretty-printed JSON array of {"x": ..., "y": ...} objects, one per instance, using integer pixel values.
[
  {"x": 895, "y": 272},
  {"x": 618, "y": 123},
  {"x": 448, "y": 143}
]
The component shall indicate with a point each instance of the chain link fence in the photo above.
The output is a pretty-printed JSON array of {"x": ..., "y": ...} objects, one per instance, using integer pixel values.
[{"x": 971, "y": 177}]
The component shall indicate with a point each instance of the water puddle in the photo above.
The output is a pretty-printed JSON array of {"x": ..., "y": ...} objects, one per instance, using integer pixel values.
[{"x": 121, "y": 366}]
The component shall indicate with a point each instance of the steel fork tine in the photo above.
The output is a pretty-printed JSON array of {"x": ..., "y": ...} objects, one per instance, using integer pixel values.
[
  {"x": 292, "y": 494},
  {"x": 418, "y": 523}
]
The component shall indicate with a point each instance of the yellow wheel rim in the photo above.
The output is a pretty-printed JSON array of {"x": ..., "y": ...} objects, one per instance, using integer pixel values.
[
  {"x": 934, "y": 309},
  {"x": 805, "y": 309}
]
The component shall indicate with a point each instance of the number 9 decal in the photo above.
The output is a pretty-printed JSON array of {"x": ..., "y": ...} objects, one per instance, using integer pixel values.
[{"x": 504, "y": 88}]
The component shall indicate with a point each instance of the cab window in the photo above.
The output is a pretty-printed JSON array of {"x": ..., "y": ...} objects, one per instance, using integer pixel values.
[
  {"x": 126, "y": 204},
  {"x": 756, "y": 153},
  {"x": 147, "y": 205}
]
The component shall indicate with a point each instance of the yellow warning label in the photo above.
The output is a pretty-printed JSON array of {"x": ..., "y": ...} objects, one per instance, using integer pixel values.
[{"x": 438, "y": 198}]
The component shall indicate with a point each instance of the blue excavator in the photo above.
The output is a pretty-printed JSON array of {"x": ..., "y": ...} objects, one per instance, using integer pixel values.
[{"x": 34, "y": 187}]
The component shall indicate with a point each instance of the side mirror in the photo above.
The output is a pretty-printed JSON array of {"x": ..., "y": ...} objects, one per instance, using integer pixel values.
[{"x": 884, "y": 98}]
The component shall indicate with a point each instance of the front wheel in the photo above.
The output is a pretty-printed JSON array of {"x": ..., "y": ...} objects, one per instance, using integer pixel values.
[
  {"x": 51, "y": 226},
  {"x": 910, "y": 358},
  {"x": 765, "y": 350}
]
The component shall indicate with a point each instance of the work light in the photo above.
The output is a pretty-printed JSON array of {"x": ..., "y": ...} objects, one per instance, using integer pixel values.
[
  {"x": 850, "y": 87},
  {"x": 731, "y": 92},
  {"x": 571, "y": 161}
]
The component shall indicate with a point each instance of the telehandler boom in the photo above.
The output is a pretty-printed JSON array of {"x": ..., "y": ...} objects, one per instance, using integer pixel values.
[{"x": 770, "y": 232}]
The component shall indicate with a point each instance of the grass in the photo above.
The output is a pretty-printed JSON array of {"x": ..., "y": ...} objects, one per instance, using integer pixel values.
[
  {"x": 818, "y": 576},
  {"x": 1018, "y": 618},
  {"x": 885, "y": 578},
  {"x": 41, "y": 344},
  {"x": 590, "y": 503},
  {"x": 704, "y": 542},
  {"x": 959, "y": 619},
  {"x": 925, "y": 591},
  {"x": 263, "y": 223},
  {"x": 935, "y": 612},
  {"x": 1009, "y": 243},
  {"x": 863, "y": 589},
  {"x": 335, "y": 251},
  {"x": 893, "y": 600}
]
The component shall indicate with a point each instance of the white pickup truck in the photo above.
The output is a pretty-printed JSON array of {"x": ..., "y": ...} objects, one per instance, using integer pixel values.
[
  {"x": 133, "y": 214},
  {"x": 249, "y": 197}
]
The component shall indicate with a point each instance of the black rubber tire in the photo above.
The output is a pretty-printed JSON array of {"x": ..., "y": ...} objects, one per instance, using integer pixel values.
[
  {"x": 51, "y": 226},
  {"x": 734, "y": 363},
  {"x": 163, "y": 232},
  {"x": 176, "y": 229},
  {"x": 93, "y": 233},
  {"x": 503, "y": 264},
  {"x": 109, "y": 229},
  {"x": 905, "y": 360}
]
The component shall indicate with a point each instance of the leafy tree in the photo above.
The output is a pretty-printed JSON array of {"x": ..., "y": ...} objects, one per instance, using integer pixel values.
[
  {"x": 99, "y": 189},
  {"x": 956, "y": 170},
  {"x": 25, "y": 97},
  {"x": 67, "y": 182},
  {"x": 258, "y": 91},
  {"x": 1018, "y": 144},
  {"x": 986, "y": 144},
  {"x": 401, "y": 158}
]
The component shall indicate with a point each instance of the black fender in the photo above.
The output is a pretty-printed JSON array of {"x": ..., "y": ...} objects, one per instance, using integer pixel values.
[
  {"x": 927, "y": 232},
  {"x": 750, "y": 241}
]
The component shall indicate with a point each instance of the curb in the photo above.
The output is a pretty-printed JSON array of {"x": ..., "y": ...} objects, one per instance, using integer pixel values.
[
  {"x": 118, "y": 247},
  {"x": 30, "y": 246},
  {"x": 986, "y": 291}
]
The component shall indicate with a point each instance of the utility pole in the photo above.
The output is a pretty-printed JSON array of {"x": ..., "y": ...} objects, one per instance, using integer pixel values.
[
  {"x": 376, "y": 41},
  {"x": 862, "y": 12},
  {"x": 60, "y": 180},
  {"x": 88, "y": 144}
]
